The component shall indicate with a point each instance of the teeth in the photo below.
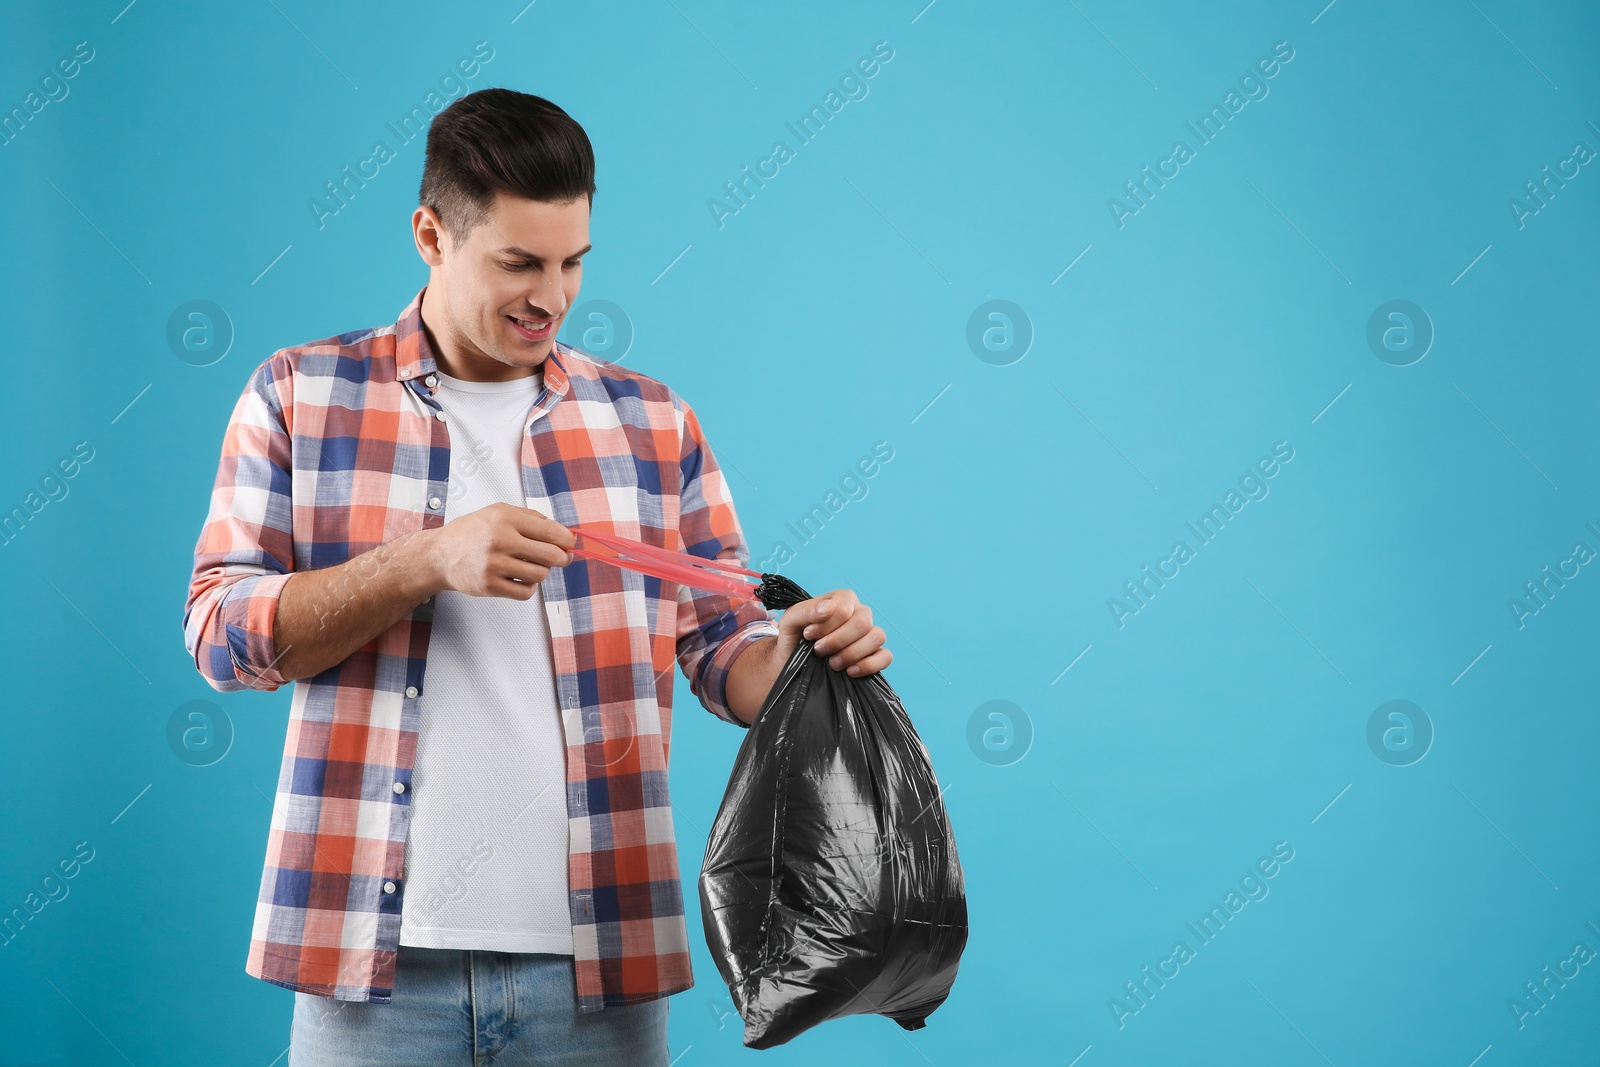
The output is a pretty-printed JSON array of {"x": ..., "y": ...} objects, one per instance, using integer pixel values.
[{"x": 532, "y": 327}]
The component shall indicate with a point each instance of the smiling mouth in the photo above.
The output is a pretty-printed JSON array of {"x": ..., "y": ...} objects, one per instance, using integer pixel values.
[{"x": 532, "y": 329}]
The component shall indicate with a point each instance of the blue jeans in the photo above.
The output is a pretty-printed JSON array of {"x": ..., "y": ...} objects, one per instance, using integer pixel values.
[{"x": 473, "y": 1009}]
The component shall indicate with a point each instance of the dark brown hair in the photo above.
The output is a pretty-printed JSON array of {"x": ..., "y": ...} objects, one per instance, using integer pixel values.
[{"x": 502, "y": 140}]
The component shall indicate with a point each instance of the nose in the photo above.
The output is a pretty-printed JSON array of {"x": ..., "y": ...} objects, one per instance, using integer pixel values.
[{"x": 548, "y": 296}]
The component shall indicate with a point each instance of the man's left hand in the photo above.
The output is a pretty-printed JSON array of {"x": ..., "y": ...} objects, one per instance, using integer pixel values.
[{"x": 841, "y": 628}]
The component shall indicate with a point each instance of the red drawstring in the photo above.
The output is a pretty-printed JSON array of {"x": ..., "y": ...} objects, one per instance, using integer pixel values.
[{"x": 713, "y": 575}]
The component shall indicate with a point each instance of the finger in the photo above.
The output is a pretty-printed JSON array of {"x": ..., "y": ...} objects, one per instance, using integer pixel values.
[
  {"x": 843, "y": 637},
  {"x": 857, "y": 650},
  {"x": 791, "y": 621},
  {"x": 844, "y": 632},
  {"x": 537, "y": 527},
  {"x": 808, "y": 619},
  {"x": 512, "y": 589},
  {"x": 517, "y": 569},
  {"x": 828, "y": 613},
  {"x": 537, "y": 551},
  {"x": 871, "y": 665}
]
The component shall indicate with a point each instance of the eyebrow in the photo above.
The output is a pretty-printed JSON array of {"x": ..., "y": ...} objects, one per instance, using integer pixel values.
[{"x": 523, "y": 253}]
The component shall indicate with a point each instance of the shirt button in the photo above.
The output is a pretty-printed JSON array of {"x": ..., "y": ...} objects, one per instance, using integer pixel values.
[
  {"x": 389, "y": 887},
  {"x": 432, "y": 380},
  {"x": 411, "y": 690},
  {"x": 435, "y": 503},
  {"x": 439, "y": 414},
  {"x": 399, "y": 787}
]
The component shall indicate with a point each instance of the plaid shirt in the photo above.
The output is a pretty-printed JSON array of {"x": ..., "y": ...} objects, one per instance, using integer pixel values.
[{"x": 339, "y": 445}]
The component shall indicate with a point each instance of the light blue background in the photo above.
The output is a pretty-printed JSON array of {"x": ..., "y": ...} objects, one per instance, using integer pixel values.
[{"x": 831, "y": 313}]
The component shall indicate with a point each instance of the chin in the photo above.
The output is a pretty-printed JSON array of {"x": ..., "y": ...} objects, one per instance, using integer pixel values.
[{"x": 529, "y": 355}]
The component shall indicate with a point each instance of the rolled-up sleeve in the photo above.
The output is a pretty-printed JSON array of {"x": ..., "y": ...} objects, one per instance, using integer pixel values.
[
  {"x": 713, "y": 628},
  {"x": 245, "y": 552}
]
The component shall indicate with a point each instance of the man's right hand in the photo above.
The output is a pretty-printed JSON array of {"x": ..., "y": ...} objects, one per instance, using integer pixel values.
[
  {"x": 501, "y": 550},
  {"x": 326, "y": 614}
]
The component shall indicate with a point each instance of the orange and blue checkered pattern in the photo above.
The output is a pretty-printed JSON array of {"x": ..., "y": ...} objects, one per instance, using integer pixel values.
[{"x": 335, "y": 447}]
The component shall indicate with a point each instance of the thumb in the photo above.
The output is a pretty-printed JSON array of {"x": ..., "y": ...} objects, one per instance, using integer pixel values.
[{"x": 796, "y": 618}]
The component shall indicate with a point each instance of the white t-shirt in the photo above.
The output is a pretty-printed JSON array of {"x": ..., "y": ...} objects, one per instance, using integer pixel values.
[{"x": 486, "y": 862}]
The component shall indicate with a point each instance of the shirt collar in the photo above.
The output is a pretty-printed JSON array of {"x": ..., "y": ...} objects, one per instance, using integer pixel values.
[{"x": 414, "y": 357}]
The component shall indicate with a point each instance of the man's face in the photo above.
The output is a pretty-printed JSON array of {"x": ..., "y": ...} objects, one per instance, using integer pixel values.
[{"x": 508, "y": 286}]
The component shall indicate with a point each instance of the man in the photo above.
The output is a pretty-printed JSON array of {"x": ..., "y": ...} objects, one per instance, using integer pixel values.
[{"x": 472, "y": 850}]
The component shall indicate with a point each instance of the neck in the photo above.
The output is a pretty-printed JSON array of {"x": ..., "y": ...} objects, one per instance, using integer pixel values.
[{"x": 453, "y": 355}]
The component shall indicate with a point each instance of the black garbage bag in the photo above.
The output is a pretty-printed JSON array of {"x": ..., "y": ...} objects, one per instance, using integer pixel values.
[{"x": 831, "y": 884}]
